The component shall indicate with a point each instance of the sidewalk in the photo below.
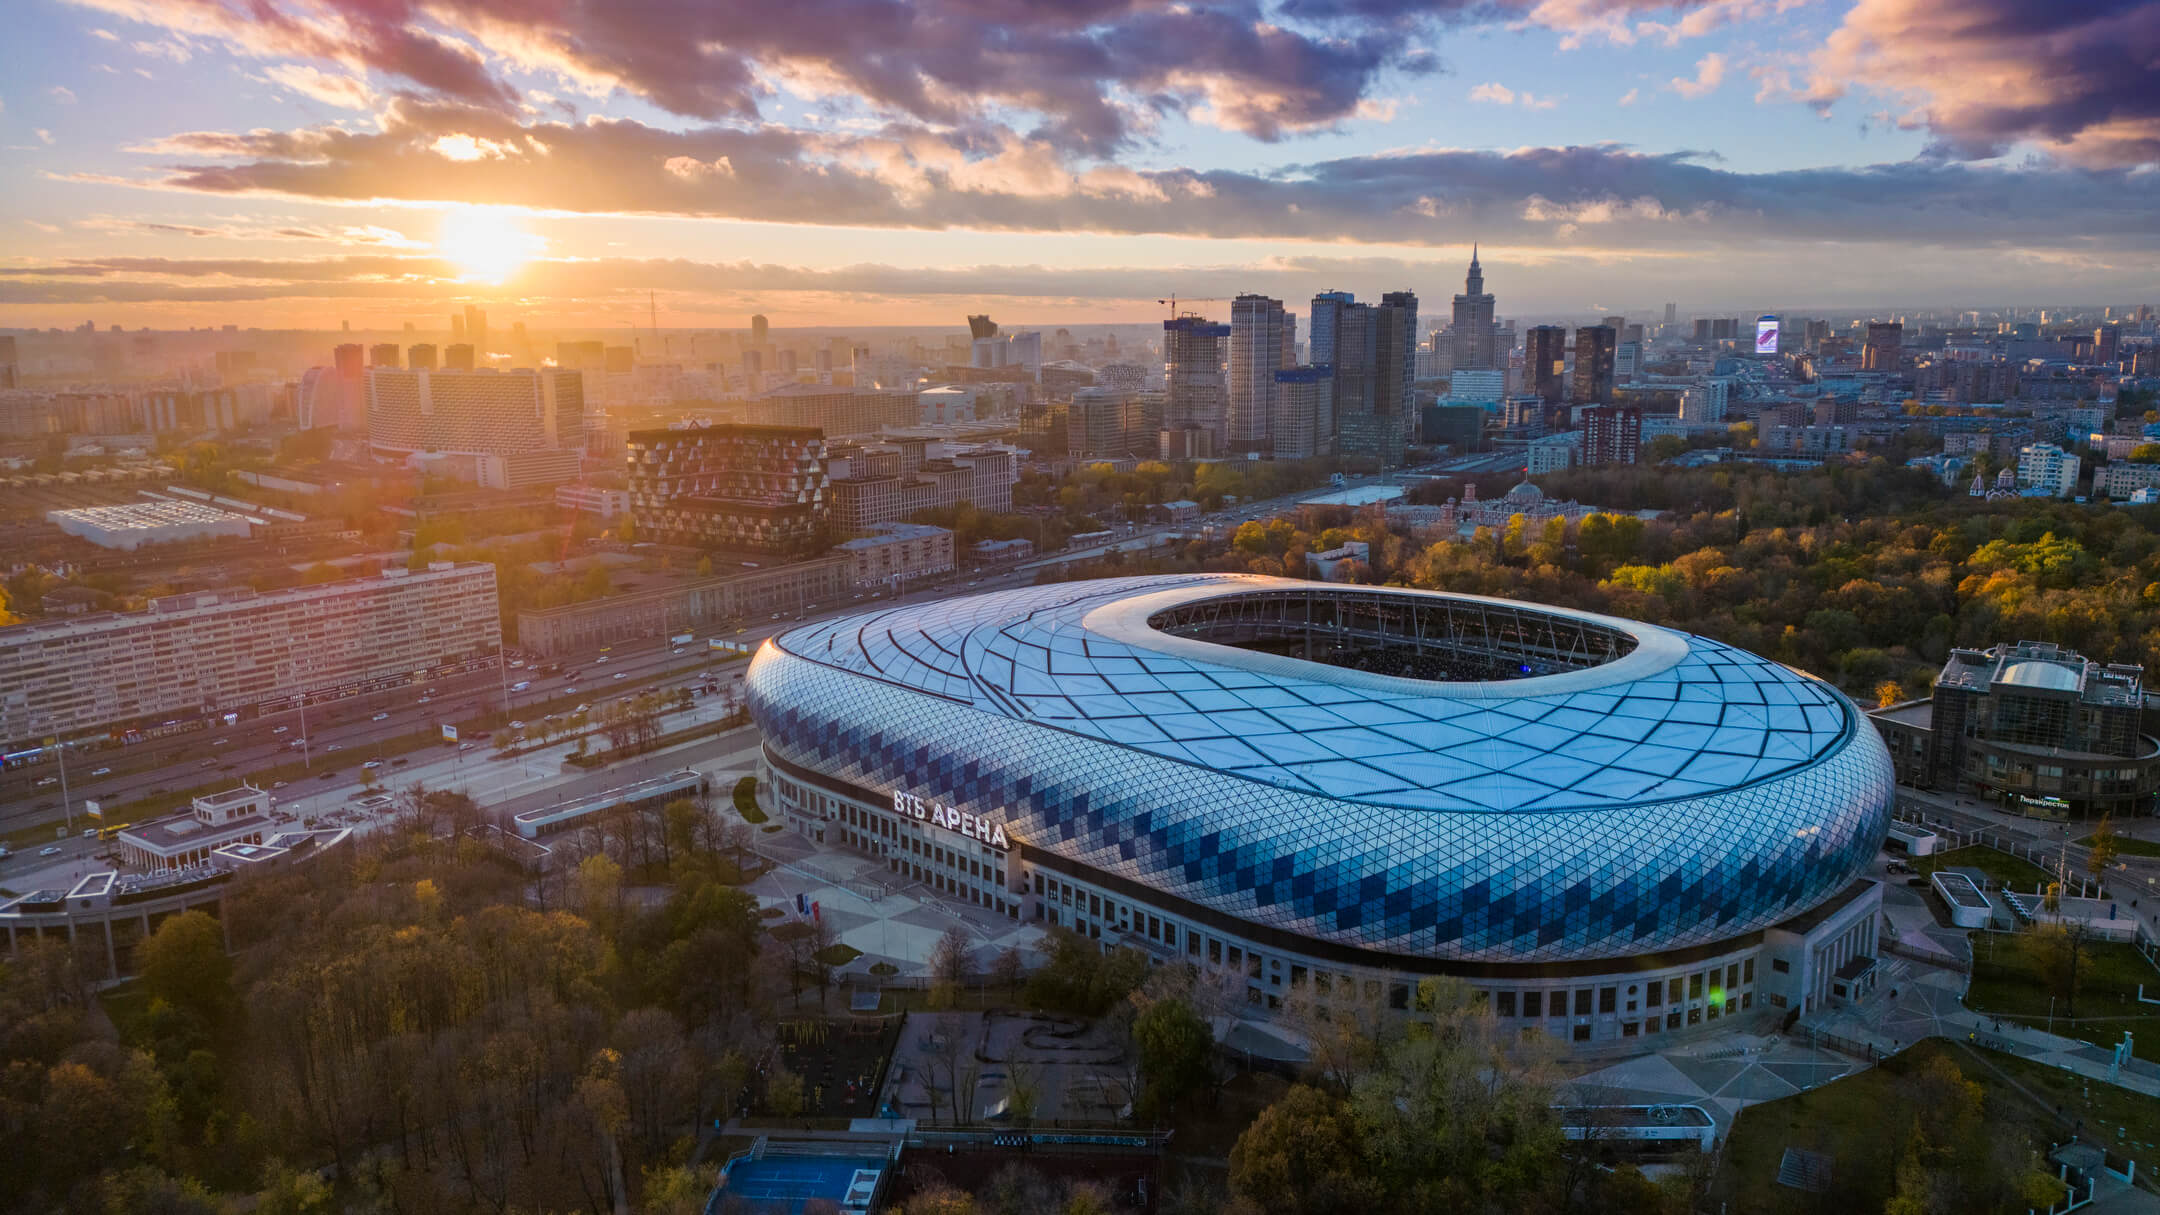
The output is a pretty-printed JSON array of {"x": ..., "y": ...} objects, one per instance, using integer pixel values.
[{"x": 1930, "y": 1002}]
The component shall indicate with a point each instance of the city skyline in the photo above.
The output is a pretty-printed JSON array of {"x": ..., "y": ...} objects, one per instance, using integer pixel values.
[{"x": 190, "y": 163}]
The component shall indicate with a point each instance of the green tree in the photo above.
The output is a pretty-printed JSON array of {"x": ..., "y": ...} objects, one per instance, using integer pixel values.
[
  {"x": 2103, "y": 849},
  {"x": 1304, "y": 1155},
  {"x": 184, "y": 964},
  {"x": 784, "y": 1093},
  {"x": 1175, "y": 1046}
]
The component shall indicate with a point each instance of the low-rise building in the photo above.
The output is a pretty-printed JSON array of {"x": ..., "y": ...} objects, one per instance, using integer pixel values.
[
  {"x": 1003, "y": 552},
  {"x": 1553, "y": 453},
  {"x": 1335, "y": 564},
  {"x": 593, "y": 500},
  {"x": 178, "y": 841},
  {"x": 898, "y": 550},
  {"x": 2122, "y": 479}
]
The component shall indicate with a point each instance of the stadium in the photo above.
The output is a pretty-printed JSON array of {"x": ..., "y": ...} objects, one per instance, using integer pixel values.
[{"x": 1611, "y": 830}]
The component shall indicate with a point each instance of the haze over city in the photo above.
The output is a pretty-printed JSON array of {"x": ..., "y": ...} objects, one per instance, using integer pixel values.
[{"x": 302, "y": 164}]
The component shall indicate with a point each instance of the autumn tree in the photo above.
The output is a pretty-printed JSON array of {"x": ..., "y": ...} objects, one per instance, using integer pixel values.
[{"x": 184, "y": 964}]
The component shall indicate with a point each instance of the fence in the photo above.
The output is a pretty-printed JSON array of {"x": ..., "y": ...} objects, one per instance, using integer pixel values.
[{"x": 2047, "y": 859}]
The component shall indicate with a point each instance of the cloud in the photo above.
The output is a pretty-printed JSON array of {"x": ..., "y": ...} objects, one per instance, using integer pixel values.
[
  {"x": 1709, "y": 74},
  {"x": 331, "y": 88},
  {"x": 107, "y": 35},
  {"x": 1091, "y": 72},
  {"x": 2077, "y": 79},
  {"x": 44, "y": 136},
  {"x": 1532, "y": 278},
  {"x": 62, "y": 94},
  {"x": 905, "y": 177},
  {"x": 1500, "y": 94},
  {"x": 1630, "y": 97}
]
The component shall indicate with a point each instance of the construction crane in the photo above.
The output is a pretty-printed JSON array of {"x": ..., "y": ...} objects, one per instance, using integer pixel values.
[{"x": 1171, "y": 303}]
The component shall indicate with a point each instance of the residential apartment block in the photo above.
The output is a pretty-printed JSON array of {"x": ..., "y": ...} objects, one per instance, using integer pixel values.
[{"x": 214, "y": 652}]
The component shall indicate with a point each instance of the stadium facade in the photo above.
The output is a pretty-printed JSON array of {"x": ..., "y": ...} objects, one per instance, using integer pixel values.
[{"x": 1611, "y": 830}]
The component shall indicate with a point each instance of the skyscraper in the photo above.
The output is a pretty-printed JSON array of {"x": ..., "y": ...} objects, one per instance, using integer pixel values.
[
  {"x": 759, "y": 328},
  {"x": 1884, "y": 348},
  {"x": 1545, "y": 363},
  {"x": 1473, "y": 328},
  {"x": 1193, "y": 375},
  {"x": 1596, "y": 348},
  {"x": 1304, "y": 422},
  {"x": 1617, "y": 324},
  {"x": 458, "y": 357},
  {"x": 1326, "y": 312},
  {"x": 1672, "y": 314},
  {"x": 476, "y": 330},
  {"x": 1395, "y": 361},
  {"x": 457, "y": 327},
  {"x": 1263, "y": 340},
  {"x": 383, "y": 354},
  {"x": 2107, "y": 343},
  {"x": 420, "y": 356},
  {"x": 9, "y": 377}
]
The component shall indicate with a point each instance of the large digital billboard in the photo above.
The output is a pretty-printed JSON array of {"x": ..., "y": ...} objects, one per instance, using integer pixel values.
[{"x": 1766, "y": 335}]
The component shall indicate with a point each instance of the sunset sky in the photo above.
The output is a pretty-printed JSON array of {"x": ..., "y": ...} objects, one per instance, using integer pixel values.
[{"x": 291, "y": 163}]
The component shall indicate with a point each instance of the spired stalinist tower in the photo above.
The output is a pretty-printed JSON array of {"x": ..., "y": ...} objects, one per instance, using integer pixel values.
[{"x": 1473, "y": 328}]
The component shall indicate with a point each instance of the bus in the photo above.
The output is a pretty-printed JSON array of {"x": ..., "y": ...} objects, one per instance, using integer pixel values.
[{"x": 107, "y": 833}]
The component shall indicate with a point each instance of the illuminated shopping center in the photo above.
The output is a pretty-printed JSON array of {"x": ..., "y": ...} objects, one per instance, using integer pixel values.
[{"x": 1611, "y": 829}]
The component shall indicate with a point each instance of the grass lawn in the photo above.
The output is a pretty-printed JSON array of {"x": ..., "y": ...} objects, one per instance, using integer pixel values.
[
  {"x": 746, "y": 800},
  {"x": 2125, "y": 1121},
  {"x": 2130, "y": 847},
  {"x": 2007, "y": 981},
  {"x": 837, "y": 954},
  {"x": 126, "y": 1003},
  {"x": 1861, "y": 1122},
  {"x": 2001, "y": 866}
]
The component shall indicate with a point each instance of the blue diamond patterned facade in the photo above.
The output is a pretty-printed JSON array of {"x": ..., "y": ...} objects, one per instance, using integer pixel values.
[{"x": 1300, "y": 779}]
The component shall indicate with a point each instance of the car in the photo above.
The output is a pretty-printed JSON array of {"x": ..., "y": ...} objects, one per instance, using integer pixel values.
[
  {"x": 599, "y": 660},
  {"x": 102, "y": 772},
  {"x": 89, "y": 833},
  {"x": 372, "y": 764},
  {"x": 776, "y": 615},
  {"x": 521, "y": 685},
  {"x": 327, "y": 776},
  {"x": 583, "y": 709},
  {"x": 219, "y": 742},
  {"x": 296, "y": 744},
  {"x": 281, "y": 729},
  {"x": 620, "y": 675},
  {"x": 519, "y": 664},
  {"x": 464, "y": 746},
  {"x": 481, "y": 734},
  {"x": 399, "y": 762},
  {"x": 335, "y": 747},
  {"x": 45, "y": 781},
  {"x": 380, "y": 717},
  {"x": 569, "y": 691},
  {"x": 279, "y": 784},
  {"x": 678, "y": 649},
  {"x": 49, "y": 850},
  {"x": 208, "y": 763},
  {"x": 425, "y": 700},
  {"x": 517, "y": 725}
]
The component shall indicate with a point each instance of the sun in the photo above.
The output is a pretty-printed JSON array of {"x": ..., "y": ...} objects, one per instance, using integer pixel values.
[{"x": 486, "y": 246}]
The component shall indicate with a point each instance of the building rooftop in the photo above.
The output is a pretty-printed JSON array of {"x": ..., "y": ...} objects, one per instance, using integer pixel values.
[
  {"x": 184, "y": 830},
  {"x": 2044, "y": 667},
  {"x": 1363, "y": 495},
  {"x": 886, "y": 533}
]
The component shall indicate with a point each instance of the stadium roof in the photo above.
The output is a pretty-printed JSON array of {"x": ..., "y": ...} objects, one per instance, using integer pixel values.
[{"x": 1677, "y": 717}]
